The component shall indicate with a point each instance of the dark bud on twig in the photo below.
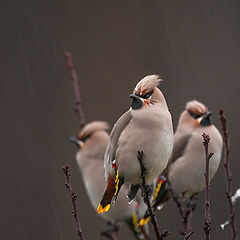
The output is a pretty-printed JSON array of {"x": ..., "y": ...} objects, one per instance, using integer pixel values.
[
  {"x": 65, "y": 168},
  {"x": 164, "y": 234},
  {"x": 207, "y": 218},
  {"x": 73, "y": 198}
]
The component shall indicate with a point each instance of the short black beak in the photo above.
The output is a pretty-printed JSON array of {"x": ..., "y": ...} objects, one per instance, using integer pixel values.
[
  {"x": 137, "y": 102},
  {"x": 133, "y": 96},
  {"x": 207, "y": 114},
  {"x": 75, "y": 141}
]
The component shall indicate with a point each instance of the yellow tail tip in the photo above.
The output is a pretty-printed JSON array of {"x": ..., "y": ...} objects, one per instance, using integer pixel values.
[
  {"x": 102, "y": 209},
  {"x": 143, "y": 221}
]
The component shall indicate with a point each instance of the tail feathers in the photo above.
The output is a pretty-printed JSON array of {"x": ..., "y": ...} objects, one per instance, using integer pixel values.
[
  {"x": 119, "y": 180},
  {"x": 111, "y": 192},
  {"x": 161, "y": 194},
  {"x": 144, "y": 220},
  {"x": 160, "y": 197},
  {"x": 107, "y": 196},
  {"x": 134, "y": 226},
  {"x": 145, "y": 232},
  {"x": 132, "y": 192}
]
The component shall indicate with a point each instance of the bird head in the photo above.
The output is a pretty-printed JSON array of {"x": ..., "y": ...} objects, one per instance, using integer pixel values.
[
  {"x": 91, "y": 131},
  {"x": 146, "y": 93},
  {"x": 197, "y": 114}
]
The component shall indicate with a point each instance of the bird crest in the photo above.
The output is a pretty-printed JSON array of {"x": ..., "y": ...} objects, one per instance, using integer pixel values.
[
  {"x": 92, "y": 127},
  {"x": 147, "y": 84},
  {"x": 196, "y": 107}
]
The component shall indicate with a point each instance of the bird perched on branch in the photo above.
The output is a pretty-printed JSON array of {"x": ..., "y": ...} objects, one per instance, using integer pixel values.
[
  {"x": 187, "y": 166},
  {"x": 146, "y": 126},
  {"x": 92, "y": 142}
]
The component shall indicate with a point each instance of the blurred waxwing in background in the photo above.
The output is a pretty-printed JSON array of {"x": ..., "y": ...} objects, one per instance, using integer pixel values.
[
  {"x": 92, "y": 142},
  {"x": 188, "y": 162},
  {"x": 147, "y": 127}
]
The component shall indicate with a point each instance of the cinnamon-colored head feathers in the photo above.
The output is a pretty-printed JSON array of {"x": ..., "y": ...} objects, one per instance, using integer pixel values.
[
  {"x": 147, "y": 84},
  {"x": 196, "y": 107},
  {"x": 92, "y": 127}
]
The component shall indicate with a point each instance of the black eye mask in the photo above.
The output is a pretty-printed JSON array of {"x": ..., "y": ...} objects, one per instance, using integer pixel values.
[
  {"x": 148, "y": 95},
  {"x": 193, "y": 115},
  {"x": 206, "y": 118},
  {"x": 86, "y": 138}
]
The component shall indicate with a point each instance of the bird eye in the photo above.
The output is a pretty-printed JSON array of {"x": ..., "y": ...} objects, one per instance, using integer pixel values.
[
  {"x": 193, "y": 115},
  {"x": 148, "y": 95},
  {"x": 86, "y": 138}
]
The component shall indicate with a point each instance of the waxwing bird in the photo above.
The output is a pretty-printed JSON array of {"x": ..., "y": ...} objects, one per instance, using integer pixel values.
[
  {"x": 92, "y": 142},
  {"x": 146, "y": 126},
  {"x": 187, "y": 167}
]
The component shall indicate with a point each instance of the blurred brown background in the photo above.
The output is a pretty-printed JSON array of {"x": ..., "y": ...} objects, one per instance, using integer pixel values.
[{"x": 194, "y": 45}]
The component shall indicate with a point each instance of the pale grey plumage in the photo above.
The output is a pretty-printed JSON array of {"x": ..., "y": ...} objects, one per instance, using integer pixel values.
[
  {"x": 90, "y": 161},
  {"x": 148, "y": 129},
  {"x": 186, "y": 174}
]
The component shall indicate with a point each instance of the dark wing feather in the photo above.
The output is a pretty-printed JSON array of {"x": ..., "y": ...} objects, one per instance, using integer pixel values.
[
  {"x": 180, "y": 143},
  {"x": 114, "y": 136}
]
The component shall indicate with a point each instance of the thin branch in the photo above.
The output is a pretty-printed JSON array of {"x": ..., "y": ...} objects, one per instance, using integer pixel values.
[
  {"x": 178, "y": 200},
  {"x": 111, "y": 231},
  {"x": 188, "y": 217},
  {"x": 207, "y": 218},
  {"x": 77, "y": 96},
  {"x": 145, "y": 194},
  {"x": 228, "y": 174},
  {"x": 186, "y": 214},
  {"x": 73, "y": 196}
]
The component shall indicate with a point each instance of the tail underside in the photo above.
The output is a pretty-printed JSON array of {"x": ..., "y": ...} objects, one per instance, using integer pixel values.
[
  {"x": 161, "y": 194},
  {"x": 133, "y": 223},
  {"x": 111, "y": 192},
  {"x": 160, "y": 197}
]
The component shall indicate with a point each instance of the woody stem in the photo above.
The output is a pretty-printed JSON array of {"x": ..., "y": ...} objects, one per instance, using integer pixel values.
[{"x": 145, "y": 194}]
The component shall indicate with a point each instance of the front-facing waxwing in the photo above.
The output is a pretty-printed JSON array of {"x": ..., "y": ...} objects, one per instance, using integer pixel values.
[
  {"x": 186, "y": 172},
  {"x": 147, "y": 127},
  {"x": 92, "y": 142}
]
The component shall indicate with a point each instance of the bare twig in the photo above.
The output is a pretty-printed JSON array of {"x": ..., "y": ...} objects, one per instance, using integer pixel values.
[
  {"x": 145, "y": 194},
  {"x": 73, "y": 74},
  {"x": 73, "y": 196},
  {"x": 228, "y": 174},
  {"x": 207, "y": 218},
  {"x": 186, "y": 214},
  {"x": 178, "y": 200},
  {"x": 188, "y": 220}
]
